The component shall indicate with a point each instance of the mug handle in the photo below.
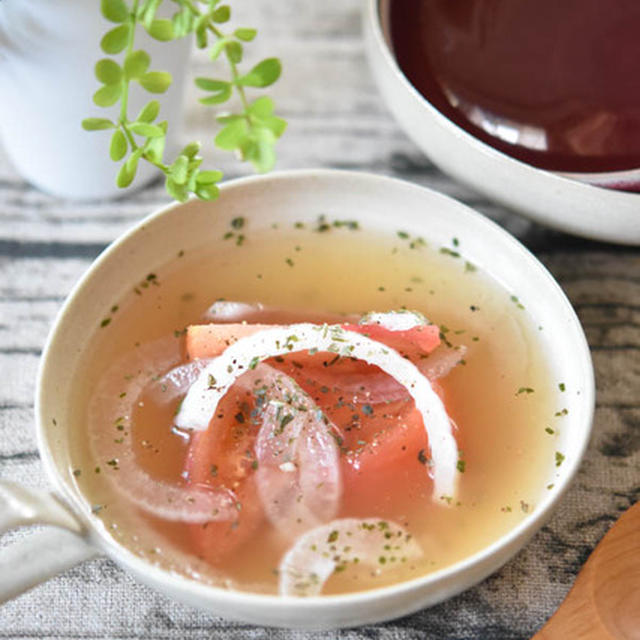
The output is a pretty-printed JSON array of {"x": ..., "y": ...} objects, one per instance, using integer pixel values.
[{"x": 40, "y": 556}]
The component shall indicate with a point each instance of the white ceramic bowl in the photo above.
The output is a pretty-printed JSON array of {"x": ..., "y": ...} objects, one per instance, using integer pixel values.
[
  {"x": 285, "y": 198},
  {"x": 552, "y": 200}
]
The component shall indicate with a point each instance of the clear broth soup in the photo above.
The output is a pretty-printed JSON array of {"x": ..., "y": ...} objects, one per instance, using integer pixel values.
[{"x": 506, "y": 407}]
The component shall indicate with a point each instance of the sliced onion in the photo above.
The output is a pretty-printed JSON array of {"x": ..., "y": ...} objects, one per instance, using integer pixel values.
[
  {"x": 298, "y": 475},
  {"x": 232, "y": 311},
  {"x": 218, "y": 376},
  {"x": 110, "y": 411},
  {"x": 440, "y": 363},
  {"x": 305, "y": 568},
  {"x": 175, "y": 383},
  {"x": 402, "y": 320}
]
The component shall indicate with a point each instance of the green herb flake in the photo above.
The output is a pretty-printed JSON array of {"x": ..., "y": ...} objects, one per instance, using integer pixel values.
[
  {"x": 333, "y": 536},
  {"x": 449, "y": 252},
  {"x": 77, "y": 473},
  {"x": 559, "y": 458},
  {"x": 211, "y": 382},
  {"x": 517, "y": 302},
  {"x": 422, "y": 458},
  {"x": 469, "y": 267},
  {"x": 238, "y": 223},
  {"x": 105, "y": 322},
  {"x": 455, "y": 242},
  {"x": 461, "y": 466},
  {"x": 549, "y": 430},
  {"x": 526, "y": 390},
  {"x": 403, "y": 235},
  {"x": 254, "y": 362},
  {"x": 290, "y": 262},
  {"x": 367, "y": 409}
]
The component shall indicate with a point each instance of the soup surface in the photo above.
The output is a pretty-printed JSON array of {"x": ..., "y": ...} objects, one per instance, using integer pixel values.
[
  {"x": 506, "y": 410},
  {"x": 551, "y": 83}
]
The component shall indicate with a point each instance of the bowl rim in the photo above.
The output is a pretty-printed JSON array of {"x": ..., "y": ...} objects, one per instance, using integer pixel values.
[
  {"x": 156, "y": 575},
  {"x": 609, "y": 200}
]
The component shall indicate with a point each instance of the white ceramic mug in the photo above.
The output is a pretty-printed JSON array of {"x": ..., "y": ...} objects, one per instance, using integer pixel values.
[
  {"x": 382, "y": 204},
  {"x": 47, "y": 55}
]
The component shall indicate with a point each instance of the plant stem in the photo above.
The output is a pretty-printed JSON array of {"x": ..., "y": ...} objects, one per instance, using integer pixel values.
[
  {"x": 234, "y": 75},
  {"x": 125, "y": 89}
]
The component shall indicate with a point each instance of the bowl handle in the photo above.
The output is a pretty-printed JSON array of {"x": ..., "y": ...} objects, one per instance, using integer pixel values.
[{"x": 43, "y": 554}]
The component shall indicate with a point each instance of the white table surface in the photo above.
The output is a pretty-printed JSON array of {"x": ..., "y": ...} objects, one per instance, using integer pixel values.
[{"x": 336, "y": 119}]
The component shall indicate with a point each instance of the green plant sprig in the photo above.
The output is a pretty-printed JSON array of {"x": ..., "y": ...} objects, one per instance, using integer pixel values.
[{"x": 252, "y": 132}]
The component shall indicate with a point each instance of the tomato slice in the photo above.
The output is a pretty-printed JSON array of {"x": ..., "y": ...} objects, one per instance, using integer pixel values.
[
  {"x": 384, "y": 444},
  {"x": 223, "y": 457}
]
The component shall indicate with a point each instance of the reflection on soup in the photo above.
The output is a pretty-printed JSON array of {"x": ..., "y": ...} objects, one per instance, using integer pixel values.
[{"x": 318, "y": 410}]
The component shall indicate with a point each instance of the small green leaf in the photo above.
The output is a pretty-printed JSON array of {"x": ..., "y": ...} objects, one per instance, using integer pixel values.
[
  {"x": 96, "y": 124},
  {"x": 265, "y": 73},
  {"x": 156, "y": 81},
  {"x": 145, "y": 129},
  {"x": 208, "y": 177},
  {"x": 149, "y": 112},
  {"x": 208, "y": 192},
  {"x": 191, "y": 150},
  {"x": 126, "y": 174},
  {"x": 136, "y": 63},
  {"x": 201, "y": 31},
  {"x": 108, "y": 71},
  {"x": 259, "y": 149},
  {"x": 221, "y": 14},
  {"x": 115, "y": 41},
  {"x": 218, "y": 46},
  {"x": 114, "y": 10},
  {"x": 276, "y": 125},
  {"x": 222, "y": 96},
  {"x": 210, "y": 84},
  {"x": 246, "y": 35},
  {"x": 154, "y": 148},
  {"x": 227, "y": 118},
  {"x": 176, "y": 191},
  {"x": 231, "y": 136},
  {"x": 182, "y": 23},
  {"x": 161, "y": 29},
  {"x": 179, "y": 170},
  {"x": 261, "y": 107},
  {"x": 118, "y": 146},
  {"x": 149, "y": 12},
  {"x": 234, "y": 51},
  {"x": 107, "y": 95}
]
